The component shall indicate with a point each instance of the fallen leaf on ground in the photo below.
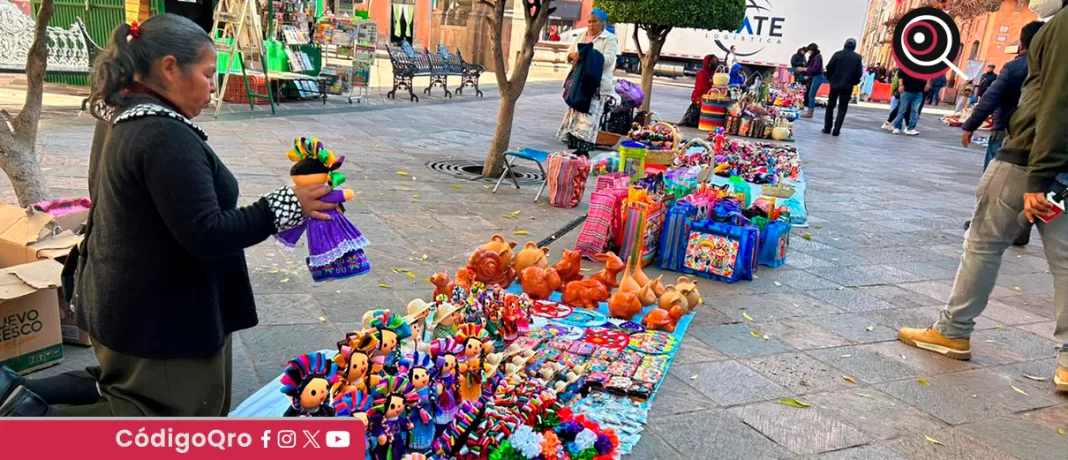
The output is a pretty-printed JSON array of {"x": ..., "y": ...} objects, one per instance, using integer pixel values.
[
  {"x": 923, "y": 382},
  {"x": 746, "y": 316},
  {"x": 1000, "y": 326},
  {"x": 284, "y": 280},
  {"x": 1060, "y": 431},
  {"x": 322, "y": 320},
  {"x": 756, "y": 334},
  {"x": 384, "y": 286},
  {"x": 1017, "y": 289},
  {"x": 693, "y": 377},
  {"x": 516, "y": 213},
  {"x": 411, "y": 275},
  {"x": 847, "y": 356},
  {"x": 849, "y": 379},
  {"x": 1037, "y": 379},
  {"x": 806, "y": 237},
  {"x": 766, "y": 337},
  {"x": 415, "y": 197},
  {"x": 457, "y": 187},
  {"x": 507, "y": 216},
  {"x": 520, "y": 232},
  {"x": 793, "y": 402},
  {"x": 869, "y": 328},
  {"x": 1018, "y": 390},
  {"x": 272, "y": 271},
  {"x": 425, "y": 257},
  {"x": 932, "y": 440},
  {"x": 778, "y": 283},
  {"x": 402, "y": 173},
  {"x": 990, "y": 341}
]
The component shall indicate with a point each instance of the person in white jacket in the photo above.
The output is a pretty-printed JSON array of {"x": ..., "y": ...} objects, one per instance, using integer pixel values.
[{"x": 579, "y": 129}]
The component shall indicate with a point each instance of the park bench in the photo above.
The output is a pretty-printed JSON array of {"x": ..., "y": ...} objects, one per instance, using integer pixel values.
[
  {"x": 438, "y": 67},
  {"x": 70, "y": 51},
  {"x": 468, "y": 73},
  {"x": 407, "y": 64}
]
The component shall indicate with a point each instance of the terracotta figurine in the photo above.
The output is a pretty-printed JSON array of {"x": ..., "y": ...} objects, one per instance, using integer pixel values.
[
  {"x": 624, "y": 305},
  {"x": 490, "y": 269},
  {"x": 585, "y": 294},
  {"x": 531, "y": 256},
  {"x": 569, "y": 267},
  {"x": 539, "y": 283},
  {"x": 502, "y": 248},
  {"x": 608, "y": 275}
]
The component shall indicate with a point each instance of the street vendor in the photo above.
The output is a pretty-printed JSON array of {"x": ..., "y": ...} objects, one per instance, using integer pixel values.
[{"x": 162, "y": 281}]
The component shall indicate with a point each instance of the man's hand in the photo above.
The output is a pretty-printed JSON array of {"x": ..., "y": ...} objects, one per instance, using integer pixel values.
[
  {"x": 966, "y": 138},
  {"x": 1035, "y": 205}
]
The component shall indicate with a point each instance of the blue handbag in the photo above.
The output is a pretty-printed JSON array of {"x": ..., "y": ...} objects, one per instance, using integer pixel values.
[
  {"x": 724, "y": 251},
  {"x": 673, "y": 238},
  {"x": 774, "y": 240}
]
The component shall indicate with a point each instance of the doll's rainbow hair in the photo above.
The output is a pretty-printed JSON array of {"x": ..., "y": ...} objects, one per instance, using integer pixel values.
[
  {"x": 352, "y": 402},
  {"x": 385, "y": 319},
  {"x": 471, "y": 331},
  {"x": 303, "y": 369},
  {"x": 445, "y": 346},
  {"x": 312, "y": 150},
  {"x": 361, "y": 341},
  {"x": 390, "y": 386},
  {"x": 418, "y": 360}
]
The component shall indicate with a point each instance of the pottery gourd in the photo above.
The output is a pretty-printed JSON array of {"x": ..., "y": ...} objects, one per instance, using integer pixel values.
[
  {"x": 539, "y": 283},
  {"x": 628, "y": 284},
  {"x": 612, "y": 266},
  {"x": 673, "y": 298},
  {"x": 569, "y": 267},
  {"x": 658, "y": 286},
  {"x": 624, "y": 305},
  {"x": 531, "y": 256},
  {"x": 502, "y": 248},
  {"x": 689, "y": 290},
  {"x": 663, "y": 320},
  {"x": 490, "y": 269},
  {"x": 646, "y": 295},
  {"x": 639, "y": 276},
  {"x": 585, "y": 294}
]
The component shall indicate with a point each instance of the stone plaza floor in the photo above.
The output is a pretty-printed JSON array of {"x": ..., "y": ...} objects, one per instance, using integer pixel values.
[{"x": 886, "y": 214}]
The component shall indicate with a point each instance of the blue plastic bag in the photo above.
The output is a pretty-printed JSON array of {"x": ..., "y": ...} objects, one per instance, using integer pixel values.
[
  {"x": 774, "y": 240},
  {"x": 673, "y": 238},
  {"x": 724, "y": 251}
]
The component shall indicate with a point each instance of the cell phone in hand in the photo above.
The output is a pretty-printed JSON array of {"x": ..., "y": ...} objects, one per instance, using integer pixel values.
[{"x": 1055, "y": 198}]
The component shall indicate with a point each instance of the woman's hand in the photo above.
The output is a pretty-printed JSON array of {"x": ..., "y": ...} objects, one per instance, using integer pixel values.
[
  {"x": 573, "y": 57},
  {"x": 309, "y": 195}
]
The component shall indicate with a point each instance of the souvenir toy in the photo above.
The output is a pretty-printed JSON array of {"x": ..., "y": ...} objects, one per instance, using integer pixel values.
[
  {"x": 352, "y": 403},
  {"x": 646, "y": 295},
  {"x": 390, "y": 330},
  {"x": 490, "y": 269},
  {"x": 475, "y": 342},
  {"x": 539, "y": 283},
  {"x": 446, "y": 363},
  {"x": 637, "y": 274},
  {"x": 624, "y": 305},
  {"x": 585, "y": 293},
  {"x": 502, "y": 248},
  {"x": 389, "y": 423},
  {"x": 418, "y": 312},
  {"x": 507, "y": 315},
  {"x": 627, "y": 283},
  {"x": 569, "y": 267},
  {"x": 307, "y": 380},
  {"x": 658, "y": 286},
  {"x": 445, "y": 319},
  {"x": 335, "y": 246},
  {"x": 353, "y": 359},
  {"x": 673, "y": 298},
  {"x": 689, "y": 290},
  {"x": 443, "y": 285},
  {"x": 608, "y": 275},
  {"x": 531, "y": 256},
  {"x": 420, "y": 371},
  {"x": 663, "y": 320}
]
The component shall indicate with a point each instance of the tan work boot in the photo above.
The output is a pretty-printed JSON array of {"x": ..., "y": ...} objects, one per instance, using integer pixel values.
[
  {"x": 931, "y": 339},
  {"x": 1060, "y": 379},
  {"x": 809, "y": 113}
]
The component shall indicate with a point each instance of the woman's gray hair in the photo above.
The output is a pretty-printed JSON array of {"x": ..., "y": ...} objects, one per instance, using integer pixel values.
[{"x": 127, "y": 55}]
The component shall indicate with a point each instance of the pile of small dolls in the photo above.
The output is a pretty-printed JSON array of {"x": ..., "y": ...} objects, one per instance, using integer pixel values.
[
  {"x": 755, "y": 162},
  {"x": 658, "y": 136}
]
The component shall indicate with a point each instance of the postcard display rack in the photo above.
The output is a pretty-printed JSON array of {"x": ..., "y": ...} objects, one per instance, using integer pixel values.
[{"x": 357, "y": 40}]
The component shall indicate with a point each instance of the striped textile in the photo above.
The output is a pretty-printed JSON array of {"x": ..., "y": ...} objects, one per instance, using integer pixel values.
[
  {"x": 567, "y": 176},
  {"x": 597, "y": 231},
  {"x": 611, "y": 180}
]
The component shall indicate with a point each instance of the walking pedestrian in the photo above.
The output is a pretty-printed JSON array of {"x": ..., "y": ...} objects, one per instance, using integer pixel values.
[
  {"x": 910, "y": 102},
  {"x": 986, "y": 79},
  {"x": 843, "y": 73},
  {"x": 814, "y": 72},
  {"x": 596, "y": 57},
  {"x": 1016, "y": 182},
  {"x": 934, "y": 94}
]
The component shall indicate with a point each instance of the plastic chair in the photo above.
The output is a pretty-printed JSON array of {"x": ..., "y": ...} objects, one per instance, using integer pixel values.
[{"x": 536, "y": 156}]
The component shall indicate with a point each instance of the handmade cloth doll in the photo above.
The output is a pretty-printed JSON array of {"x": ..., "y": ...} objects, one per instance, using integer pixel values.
[
  {"x": 355, "y": 404},
  {"x": 418, "y": 312},
  {"x": 335, "y": 246},
  {"x": 354, "y": 359},
  {"x": 389, "y": 424},
  {"x": 446, "y": 316},
  {"x": 445, "y": 352},
  {"x": 390, "y": 330},
  {"x": 475, "y": 342},
  {"x": 307, "y": 380},
  {"x": 420, "y": 370}
]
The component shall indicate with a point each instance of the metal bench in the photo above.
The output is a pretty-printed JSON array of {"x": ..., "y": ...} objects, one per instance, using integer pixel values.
[
  {"x": 68, "y": 52},
  {"x": 537, "y": 156},
  {"x": 439, "y": 69},
  {"x": 405, "y": 68},
  {"x": 469, "y": 73},
  {"x": 92, "y": 49}
]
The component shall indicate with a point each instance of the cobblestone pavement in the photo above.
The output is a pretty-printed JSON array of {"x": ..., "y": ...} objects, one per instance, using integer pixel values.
[{"x": 887, "y": 215}]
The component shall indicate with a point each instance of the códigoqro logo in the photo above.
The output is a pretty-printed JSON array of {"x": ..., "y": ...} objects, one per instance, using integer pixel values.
[
  {"x": 163, "y": 439},
  {"x": 926, "y": 42}
]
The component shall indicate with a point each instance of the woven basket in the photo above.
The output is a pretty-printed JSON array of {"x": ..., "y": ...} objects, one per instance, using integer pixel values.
[
  {"x": 607, "y": 139},
  {"x": 664, "y": 156}
]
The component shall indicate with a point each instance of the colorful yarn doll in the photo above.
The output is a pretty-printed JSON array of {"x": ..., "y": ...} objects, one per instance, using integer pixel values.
[
  {"x": 390, "y": 330},
  {"x": 335, "y": 246},
  {"x": 446, "y": 316},
  {"x": 445, "y": 352},
  {"x": 475, "y": 342},
  {"x": 389, "y": 425},
  {"x": 354, "y": 358},
  {"x": 307, "y": 380},
  {"x": 420, "y": 370},
  {"x": 355, "y": 404}
]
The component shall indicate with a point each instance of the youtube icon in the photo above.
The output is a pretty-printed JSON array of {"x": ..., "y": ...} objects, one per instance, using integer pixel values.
[{"x": 337, "y": 439}]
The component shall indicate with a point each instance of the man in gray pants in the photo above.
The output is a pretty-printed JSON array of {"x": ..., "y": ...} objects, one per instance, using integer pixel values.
[{"x": 1016, "y": 182}]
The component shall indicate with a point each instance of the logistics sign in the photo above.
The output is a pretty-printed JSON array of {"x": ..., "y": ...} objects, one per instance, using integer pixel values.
[{"x": 926, "y": 42}]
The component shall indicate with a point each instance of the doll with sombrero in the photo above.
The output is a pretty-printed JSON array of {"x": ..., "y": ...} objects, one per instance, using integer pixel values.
[
  {"x": 390, "y": 330},
  {"x": 335, "y": 246},
  {"x": 475, "y": 342},
  {"x": 446, "y": 316},
  {"x": 354, "y": 359},
  {"x": 390, "y": 427},
  {"x": 307, "y": 380},
  {"x": 420, "y": 370},
  {"x": 418, "y": 312},
  {"x": 446, "y": 354}
]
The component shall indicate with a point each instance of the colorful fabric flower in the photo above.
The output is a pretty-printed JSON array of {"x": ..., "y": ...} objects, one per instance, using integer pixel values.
[
  {"x": 551, "y": 448},
  {"x": 526, "y": 441},
  {"x": 585, "y": 439}
]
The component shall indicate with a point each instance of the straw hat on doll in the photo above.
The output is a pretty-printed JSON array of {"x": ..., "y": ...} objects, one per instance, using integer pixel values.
[
  {"x": 417, "y": 309},
  {"x": 445, "y": 310}
]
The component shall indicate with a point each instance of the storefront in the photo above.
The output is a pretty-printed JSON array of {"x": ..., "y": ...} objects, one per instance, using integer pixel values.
[{"x": 567, "y": 16}]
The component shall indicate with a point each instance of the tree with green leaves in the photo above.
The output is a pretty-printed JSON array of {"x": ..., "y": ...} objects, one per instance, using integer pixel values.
[{"x": 659, "y": 17}]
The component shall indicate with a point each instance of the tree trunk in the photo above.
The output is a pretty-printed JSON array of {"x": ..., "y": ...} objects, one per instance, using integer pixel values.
[
  {"x": 502, "y": 136},
  {"x": 18, "y": 135},
  {"x": 652, "y": 56}
]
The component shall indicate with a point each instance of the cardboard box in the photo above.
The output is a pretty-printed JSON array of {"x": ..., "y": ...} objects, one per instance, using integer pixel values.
[
  {"x": 30, "y": 337},
  {"x": 29, "y": 236}
]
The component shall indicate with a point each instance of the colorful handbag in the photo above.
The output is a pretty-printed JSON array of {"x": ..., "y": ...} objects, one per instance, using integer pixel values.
[
  {"x": 567, "y": 176},
  {"x": 673, "y": 237},
  {"x": 774, "y": 239},
  {"x": 724, "y": 251},
  {"x": 601, "y": 221},
  {"x": 642, "y": 230}
]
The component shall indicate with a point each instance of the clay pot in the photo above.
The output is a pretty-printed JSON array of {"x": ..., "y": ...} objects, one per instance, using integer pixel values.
[
  {"x": 585, "y": 294},
  {"x": 612, "y": 266},
  {"x": 688, "y": 289},
  {"x": 646, "y": 295},
  {"x": 663, "y": 320},
  {"x": 569, "y": 267},
  {"x": 628, "y": 284},
  {"x": 539, "y": 283},
  {"x": 502, "y": 248},
  {"x": 624, "y": 305},
  {"x": 531, "y": 256},
  {"x": 489, "y": 269},
  {"x": 673, "y": 298}
]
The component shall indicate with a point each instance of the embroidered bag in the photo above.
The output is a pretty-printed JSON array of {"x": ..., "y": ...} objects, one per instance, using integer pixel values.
[{"x": 724, "y": 251}]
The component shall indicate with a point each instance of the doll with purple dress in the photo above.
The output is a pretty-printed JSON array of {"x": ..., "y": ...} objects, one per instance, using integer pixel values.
[
  {"x": 390, "y": 426},
  {"x": 421, "y": 372},
  {"x": 445, "y": 352},
  {"x": 335, "y": 246}
]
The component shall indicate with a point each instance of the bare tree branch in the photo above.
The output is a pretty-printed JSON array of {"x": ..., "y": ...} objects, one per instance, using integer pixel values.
[
  {"x": 9, "y": 121},
  {"x": 496, "y": 31},
  {"x": 638, "y": 43},
  {"x": 25, "y": 124}
]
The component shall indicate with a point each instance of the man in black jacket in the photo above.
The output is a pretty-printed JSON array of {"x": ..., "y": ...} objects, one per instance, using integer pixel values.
[
  {"x": 986, "y": 80},
  {"x": 843, "y": 73}
]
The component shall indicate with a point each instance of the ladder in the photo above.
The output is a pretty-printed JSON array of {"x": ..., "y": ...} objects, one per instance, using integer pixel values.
[{"x": 239, "y": 33}]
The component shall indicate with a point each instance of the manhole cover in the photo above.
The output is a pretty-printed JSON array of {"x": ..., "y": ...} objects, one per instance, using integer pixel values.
[{"x": 471, "y": 169}]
